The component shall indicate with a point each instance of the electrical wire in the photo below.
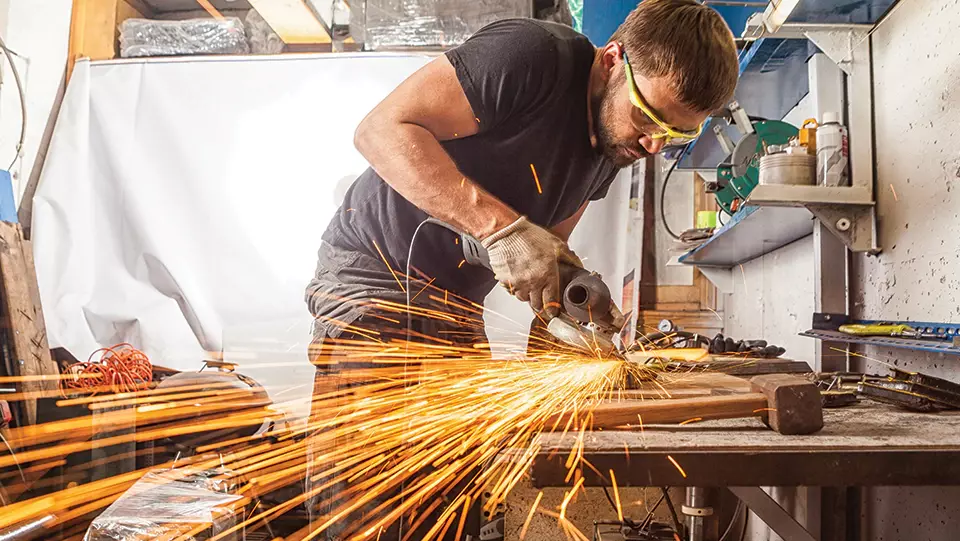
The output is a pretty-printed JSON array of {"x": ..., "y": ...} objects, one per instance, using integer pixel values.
[
  {"x": 23, "y": 103},
  {"x": 14, "y": 455},
  {"x": 663, "y": 193},
  {"x": 733, "y": 520},
  {"x": 673, "y": 510},
  {"x": 413, "y": 240}
]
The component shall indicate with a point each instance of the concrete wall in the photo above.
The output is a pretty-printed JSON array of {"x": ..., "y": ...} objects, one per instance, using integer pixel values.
[
  {"x": 917, "y": 103},
  {"x": 38, "y": 31}
]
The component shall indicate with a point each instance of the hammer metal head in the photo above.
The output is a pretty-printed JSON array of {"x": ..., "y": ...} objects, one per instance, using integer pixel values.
[{"x": 794, "y": 403}]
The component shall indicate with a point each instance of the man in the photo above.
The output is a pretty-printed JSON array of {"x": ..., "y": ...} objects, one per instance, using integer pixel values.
[{"x": 507, "y": 138}]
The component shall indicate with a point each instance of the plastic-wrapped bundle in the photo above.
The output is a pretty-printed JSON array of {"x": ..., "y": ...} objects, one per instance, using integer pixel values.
[
  {"x": 144, "y": 37},
  {"x": 386, "y": 24},
  {"x": 193, "y": 505}
]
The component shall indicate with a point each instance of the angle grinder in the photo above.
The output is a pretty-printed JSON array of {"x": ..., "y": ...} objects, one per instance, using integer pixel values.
[{"x": 584, "y": 321}]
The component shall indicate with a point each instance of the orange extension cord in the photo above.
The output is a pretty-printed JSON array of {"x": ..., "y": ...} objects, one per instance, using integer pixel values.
[{"x": 121, "y": 368}]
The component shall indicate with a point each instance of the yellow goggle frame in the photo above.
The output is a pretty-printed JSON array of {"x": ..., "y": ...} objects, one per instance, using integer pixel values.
[{"x": 672, "y": 135}]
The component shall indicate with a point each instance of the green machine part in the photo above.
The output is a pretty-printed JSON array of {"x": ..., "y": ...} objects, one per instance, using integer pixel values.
[{"x": 741, "y": 176}]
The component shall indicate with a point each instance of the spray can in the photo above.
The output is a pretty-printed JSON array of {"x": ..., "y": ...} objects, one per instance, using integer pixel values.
[{"x": 833, "y": 152}]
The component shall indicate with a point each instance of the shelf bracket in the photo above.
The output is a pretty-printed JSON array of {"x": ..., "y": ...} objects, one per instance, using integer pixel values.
[
  {"x": 856, "y": 225},
  {"x": 720, "y": 277}
]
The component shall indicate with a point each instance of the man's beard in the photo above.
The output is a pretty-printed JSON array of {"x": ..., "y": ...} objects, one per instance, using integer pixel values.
[{"x": 615, "y": 151}]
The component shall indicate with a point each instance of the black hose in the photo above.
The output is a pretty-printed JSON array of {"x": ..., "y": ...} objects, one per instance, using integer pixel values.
[{"x": 663, "y": 193}]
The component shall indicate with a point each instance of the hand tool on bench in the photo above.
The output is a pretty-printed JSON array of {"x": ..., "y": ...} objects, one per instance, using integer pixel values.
[
  {"x": 788, "y": 404},
  {"x": 885, "y": 329}
]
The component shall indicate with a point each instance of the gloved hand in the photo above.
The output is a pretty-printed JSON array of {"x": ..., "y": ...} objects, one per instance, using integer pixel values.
[{"x": 526, "y": 259}]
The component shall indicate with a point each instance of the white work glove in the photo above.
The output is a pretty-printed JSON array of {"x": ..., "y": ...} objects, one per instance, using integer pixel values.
[{"x": 526, "y": 259}]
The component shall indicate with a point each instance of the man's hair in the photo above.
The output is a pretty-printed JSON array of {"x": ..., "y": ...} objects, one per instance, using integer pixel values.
[{"x": 687, "y": 42}]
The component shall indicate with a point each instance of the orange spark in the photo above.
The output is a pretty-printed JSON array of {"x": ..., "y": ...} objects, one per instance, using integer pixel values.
[
  {"x": 463, "y": 517},
  {"x": 694, "y": 420},
  {"x": 395, "y": 277},
  {"x": 536, "y": 178},
  {"x": 683, "y": 473},
  {"x": 462, "y": 261},
  {"x": 616, "y": 496},
  {"x": 526, "y": 523},
  {"x": 764, "y": 409},
  {"x": 895, "y": 198},
  {"x": 351, "y": 210},
  {"x": 422, "y": 290}
]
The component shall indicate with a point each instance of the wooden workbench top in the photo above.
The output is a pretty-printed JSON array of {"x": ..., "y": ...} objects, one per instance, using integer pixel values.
[{"x": 864, "y": 444}]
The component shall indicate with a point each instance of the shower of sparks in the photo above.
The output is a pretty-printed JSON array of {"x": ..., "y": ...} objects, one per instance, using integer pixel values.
[
  {"x": 536, "y": 178},
  {"x": 411, "y": 431}
]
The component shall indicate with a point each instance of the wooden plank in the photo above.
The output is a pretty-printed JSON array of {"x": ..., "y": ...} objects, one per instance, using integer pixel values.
[
  {"x": 654, "y": 412},
  {"x": 292, "y": 20},
  {"x": 23, "y": 315},
  {"x": 648, "y": 256},
  {"x": 677, "y": 294}
]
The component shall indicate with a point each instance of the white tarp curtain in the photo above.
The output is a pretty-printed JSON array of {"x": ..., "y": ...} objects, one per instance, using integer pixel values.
[{"x": 182, "y": 201}]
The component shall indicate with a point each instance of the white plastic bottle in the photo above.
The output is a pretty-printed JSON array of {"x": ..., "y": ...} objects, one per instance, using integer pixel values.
[{"x": 833, "y": 152}]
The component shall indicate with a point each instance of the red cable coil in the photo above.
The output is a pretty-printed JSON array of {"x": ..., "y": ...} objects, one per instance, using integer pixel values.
[{"x": 121, "y": 368}]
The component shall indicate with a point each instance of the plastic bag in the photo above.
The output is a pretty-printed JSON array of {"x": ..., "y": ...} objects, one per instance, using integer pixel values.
[
  {"x": 144, "y": 37},
  {"x": 385, "y": 24},
  {"x": 168, "y": 501}
]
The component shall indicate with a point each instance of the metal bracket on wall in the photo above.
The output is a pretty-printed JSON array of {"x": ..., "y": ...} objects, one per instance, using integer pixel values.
[
  {"x": 856, "y": 226},
  {"x": 849, "y": 47}
]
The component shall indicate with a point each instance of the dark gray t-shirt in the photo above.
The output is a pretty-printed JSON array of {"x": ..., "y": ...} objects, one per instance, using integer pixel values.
[{"x": 527, "y": 82}]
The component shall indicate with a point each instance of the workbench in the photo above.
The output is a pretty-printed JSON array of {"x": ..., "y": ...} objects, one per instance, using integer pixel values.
[{"x": 868, "y": 444}]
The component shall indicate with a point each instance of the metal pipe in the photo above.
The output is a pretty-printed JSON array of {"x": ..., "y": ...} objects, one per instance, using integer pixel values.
[
  {"x": 695, "y": 502},
  {"x": 26, "y": 531}
]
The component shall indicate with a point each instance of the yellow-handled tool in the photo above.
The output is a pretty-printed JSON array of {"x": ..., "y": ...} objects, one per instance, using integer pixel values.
[{"x": 886, "y": 329}]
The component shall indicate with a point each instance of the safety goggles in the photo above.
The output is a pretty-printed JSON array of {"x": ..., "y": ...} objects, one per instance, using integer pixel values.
[{"x": 662, "y": 130}]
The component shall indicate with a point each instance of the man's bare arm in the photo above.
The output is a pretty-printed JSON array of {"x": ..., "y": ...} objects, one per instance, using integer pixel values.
[
  {"x": 401, "y": 138},
  {"x": 565, "y": 228}
]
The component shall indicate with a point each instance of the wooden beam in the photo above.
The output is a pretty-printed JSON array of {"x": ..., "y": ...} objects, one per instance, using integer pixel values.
[
  {"x": 95, "y": 28},
  {"x": 23, "y": 316},
  {"x": 648, "y": 258},
  {"x": 293, "y": 21}
]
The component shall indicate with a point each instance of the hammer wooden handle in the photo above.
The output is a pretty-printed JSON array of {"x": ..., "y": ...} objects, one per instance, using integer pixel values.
[{"x": 631, "y": 412}]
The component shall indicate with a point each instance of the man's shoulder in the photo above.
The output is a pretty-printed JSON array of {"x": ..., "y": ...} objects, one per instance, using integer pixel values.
[{"x": 533, "y": 29}]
